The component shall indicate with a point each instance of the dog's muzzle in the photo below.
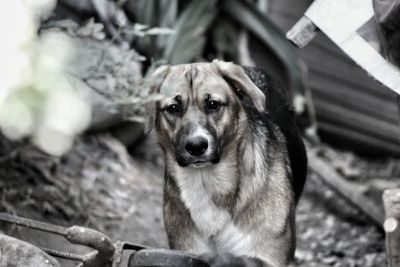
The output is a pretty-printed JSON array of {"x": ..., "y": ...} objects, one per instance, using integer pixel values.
[
  {"x": 196, "y": 146},
  {"x": 197, "y": 152}
]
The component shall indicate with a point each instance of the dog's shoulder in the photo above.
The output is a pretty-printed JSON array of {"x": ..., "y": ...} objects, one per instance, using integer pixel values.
[
  {"x": 279, "y": 111},
  {"x": 277, "y": 100}
]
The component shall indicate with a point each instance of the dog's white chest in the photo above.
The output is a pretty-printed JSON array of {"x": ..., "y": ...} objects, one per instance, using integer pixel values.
[
  {"x": 214, "y": 223},
  {"x": 206, "y": 215}
]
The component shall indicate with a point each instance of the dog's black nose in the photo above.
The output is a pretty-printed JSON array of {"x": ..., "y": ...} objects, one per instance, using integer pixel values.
[{"x": 196, "y": 146}]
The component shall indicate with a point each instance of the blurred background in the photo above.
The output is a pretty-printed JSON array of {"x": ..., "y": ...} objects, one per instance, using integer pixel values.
[{"x": 74, "y": 76}]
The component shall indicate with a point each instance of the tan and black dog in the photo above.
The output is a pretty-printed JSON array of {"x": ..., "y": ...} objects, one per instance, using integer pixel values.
[{"x": 235, "y": 163}]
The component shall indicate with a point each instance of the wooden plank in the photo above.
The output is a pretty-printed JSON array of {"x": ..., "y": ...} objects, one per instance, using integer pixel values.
[
  {"x": 357, "y": 107},
  {"x": 322, "y": 63},
  {"x": 344, "y": 117},
  {"x": 365, "y": 108},
  {"x": 350, "y": 191},
  {"x": 340, "y": 21},
  {"x": 357, "y": 100},
  {"x": 323, "y": 43},
  {"x": 302, "y": 32},
  {"x": 325, "y": 82},
  {"x": 323, "y": 51},
  {"x": 285, "y": 22},
  {"x": 359, "y": 141},
  {"x": 368, "y": 88}
]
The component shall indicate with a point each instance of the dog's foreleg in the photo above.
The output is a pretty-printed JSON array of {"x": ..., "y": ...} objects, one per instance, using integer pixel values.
[{"x": 181, "y": 230}]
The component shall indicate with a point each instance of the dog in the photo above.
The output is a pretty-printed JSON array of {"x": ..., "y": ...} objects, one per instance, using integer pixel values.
[{"x": 235, "y": 163}]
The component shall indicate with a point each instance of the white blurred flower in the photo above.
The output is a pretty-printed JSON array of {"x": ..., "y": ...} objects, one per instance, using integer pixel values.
[
  {"x": 52, "y": 52},
  {"x": 35, "y": 97},
  {"x": 12, "y": 111},
  {"x": 66, "y": 112},
  {"x": 64, "y": 115},
  {"x": 53, "y": 142},
  {"x": 17, "y": 26}
]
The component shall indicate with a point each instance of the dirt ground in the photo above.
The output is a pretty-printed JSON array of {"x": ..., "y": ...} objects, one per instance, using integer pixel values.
[
  {"x": 100, "y": 185},
  {"x": 332, "y": 233}
]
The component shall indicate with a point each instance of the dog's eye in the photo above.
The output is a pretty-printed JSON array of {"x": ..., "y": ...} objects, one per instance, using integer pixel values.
[
  {"x": 173, "y": 109},
  {"x": 213, "y": 105}
]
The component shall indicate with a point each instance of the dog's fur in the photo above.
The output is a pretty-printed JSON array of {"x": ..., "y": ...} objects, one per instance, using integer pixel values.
[{"x": 236, "y": 202}]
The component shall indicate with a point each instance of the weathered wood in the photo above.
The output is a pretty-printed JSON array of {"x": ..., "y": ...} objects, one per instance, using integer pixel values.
[
  {"x": 341, "y": 71},
  {"x": 344, "y": 33},
  {"x": 336, "y": 80},
  {"x": 302, "y": 32},
  {"x": 351, "y": 192},
  {"x": 391, "y": 202},
  {"x": 345, "y": 95},
  {"x": 348, "y": 117},
  {"x": 360, "y": 141}
]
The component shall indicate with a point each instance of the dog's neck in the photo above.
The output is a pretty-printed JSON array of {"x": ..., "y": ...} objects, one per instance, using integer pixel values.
[
  {"x": 222, "y": 182},
  {"x": 217, "y": 179}
]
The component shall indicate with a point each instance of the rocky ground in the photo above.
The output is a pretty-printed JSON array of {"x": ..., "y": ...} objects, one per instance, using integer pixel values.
[{"x": 100, "y": 185}]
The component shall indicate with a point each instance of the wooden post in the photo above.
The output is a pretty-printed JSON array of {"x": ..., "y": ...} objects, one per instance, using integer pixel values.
[{"x": 391, "y": 202}]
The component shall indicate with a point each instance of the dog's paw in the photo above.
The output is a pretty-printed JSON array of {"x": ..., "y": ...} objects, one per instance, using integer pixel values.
[{"x": 229, "y": 260}]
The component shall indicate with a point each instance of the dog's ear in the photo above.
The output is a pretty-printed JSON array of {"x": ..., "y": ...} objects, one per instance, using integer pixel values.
[
  {"x": 235, "y": 74},
  {"x": 157, "y": 78}
]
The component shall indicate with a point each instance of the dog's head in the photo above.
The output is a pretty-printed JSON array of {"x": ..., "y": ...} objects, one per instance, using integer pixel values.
[{"x": 200, "y": 113}]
